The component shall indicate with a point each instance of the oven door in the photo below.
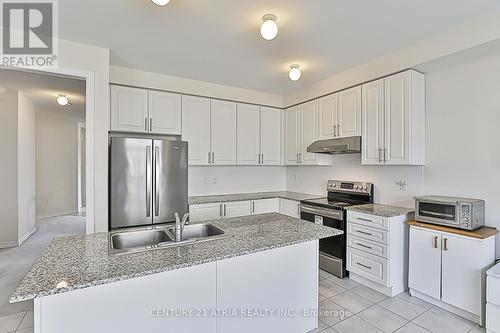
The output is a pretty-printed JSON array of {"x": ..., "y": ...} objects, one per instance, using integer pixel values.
[
  {"x": 332, "y": 249},
  {"x": 437, "y": 213}
]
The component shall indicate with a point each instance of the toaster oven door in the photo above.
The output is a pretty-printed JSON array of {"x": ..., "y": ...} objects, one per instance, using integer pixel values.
[{"x": 438, "y": 213}]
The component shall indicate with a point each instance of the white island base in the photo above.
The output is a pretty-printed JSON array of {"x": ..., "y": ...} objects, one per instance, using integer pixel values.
[{"x": 269, "y": 291}]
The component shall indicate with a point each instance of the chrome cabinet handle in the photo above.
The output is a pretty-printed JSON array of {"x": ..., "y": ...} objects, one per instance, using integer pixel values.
[
  {"x": 213, "y": 158},
  {"x": 208, "y": 157},
  {"x": 445, "y": 244},
  {"x": 262, "y": 158},
  {"x": 385, "y": 155},
  {"x": 150, "y": 124},
  {"x": 365, "y": 246},
  {"x": 334, "y": 131},
  {"x": 220, "y": 210},
  {"x": 380, "y": 154},
  {"x": 253, "y": 207},
  {"x": 363, "y": 219},
  {"x": 157, "y": 181},
  {"x": 225, "y": 213},
  {"x": 338, "y": 130},
  {"x": 365, "y": 266},
  {"x": 435, "y": 242},
  {"x": 148, "y": 181},
  {"x": 146, "y": 124},
  {"x": 364, "y": 233},
  {"x": 297, "y": 158}
]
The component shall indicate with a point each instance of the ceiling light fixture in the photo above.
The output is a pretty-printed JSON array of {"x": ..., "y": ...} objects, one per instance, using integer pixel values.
[
  {"x": 62, "y": 100},
  {"x": 294, "y": 73},
  {"x": 161, "y": 2},
  {"x": 269, "y": 28}
]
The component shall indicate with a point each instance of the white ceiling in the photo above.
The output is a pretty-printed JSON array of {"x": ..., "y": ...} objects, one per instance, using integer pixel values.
[
  {"x": 218, "y": 40},
  {"x": 43, "y": 89}
]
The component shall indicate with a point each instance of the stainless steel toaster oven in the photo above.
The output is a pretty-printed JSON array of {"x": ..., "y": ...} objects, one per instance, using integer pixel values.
[{"x": 462, "y": 213}]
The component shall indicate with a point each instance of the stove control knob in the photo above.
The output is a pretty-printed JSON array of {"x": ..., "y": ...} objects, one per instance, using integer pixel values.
[
  {"x": 334, "y": 185},
  {"x": 365, "y": 188},
  {"x": 355, "y": 187}
]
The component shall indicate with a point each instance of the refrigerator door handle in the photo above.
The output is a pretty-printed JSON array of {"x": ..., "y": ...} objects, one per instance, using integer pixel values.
[
  {"x": 148, "y": 181},
  {"x": 157, "y": 181}
]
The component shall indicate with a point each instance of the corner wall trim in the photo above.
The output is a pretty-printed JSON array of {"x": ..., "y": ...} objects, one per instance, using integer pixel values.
[
  {"x": 26, "y": 236},
  {"x": 4, "y": 245}
]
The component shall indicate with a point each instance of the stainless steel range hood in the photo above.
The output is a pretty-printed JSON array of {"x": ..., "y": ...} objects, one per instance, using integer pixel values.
[{"x": 351, "y": 145}]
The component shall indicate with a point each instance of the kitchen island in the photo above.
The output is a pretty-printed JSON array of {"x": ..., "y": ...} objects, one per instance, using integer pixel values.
[{"x": 264, "y": 277}]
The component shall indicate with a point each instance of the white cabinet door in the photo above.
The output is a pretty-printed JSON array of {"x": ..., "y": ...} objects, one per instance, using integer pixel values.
[
  {"x": 327, "y": 114},
  {"x": 266, "y": 206},
  {"x": 373, "y": 123},
  {"x": 196, "y": 128},
  {"x": 397, "y": 120},
  {"x": 425, "y": 262},
  {"x": 223, "y": 132},
  {"x": 292, "y": 121},
  {"x": 248, "y": 134},
  {"x": 165, "y": 113},
  {"x": 202, "y": 212},
  {"x": 236, "y": 208},
  {"x": 129, "y": 109},
  {"x": 461, "y": 272},
  {"x": 349, "y": 113},
  {"x": 271, "y": 136},
  {"x": 309, "y": 121},
  {"x": 289, "y": 207}
]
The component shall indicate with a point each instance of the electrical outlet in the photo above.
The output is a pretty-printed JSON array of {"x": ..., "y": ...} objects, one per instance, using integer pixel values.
[
  {"x": 207, "y": 180},
  {"x": 403, "y": 184},
  {"x": 214, "y": 180}
]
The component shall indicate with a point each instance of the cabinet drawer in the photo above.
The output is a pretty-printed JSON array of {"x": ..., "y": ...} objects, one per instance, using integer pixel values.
[
  {"x": 368, "y": 246},
  {"x": 368, "y": 220},
  {"x": 368, "y": 233},
  {"x": 493, "y": 290},
  {"x": 368, "y": 266},
  {"x": 492, "y": 318}
]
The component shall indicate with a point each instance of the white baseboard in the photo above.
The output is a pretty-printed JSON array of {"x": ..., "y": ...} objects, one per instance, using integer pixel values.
[
  {"x": 4, "y": 245},
  {"x": 27, "y": 235},
  {"x": 41, "y": 217}
]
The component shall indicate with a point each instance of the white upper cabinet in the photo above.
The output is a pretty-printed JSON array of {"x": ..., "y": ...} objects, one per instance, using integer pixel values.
[
  {"x": 223, "y": 132},
  {"x": 349, "y": 112},
  {"x": 327, "y": 113},
  {"x": 248, "y": 134},
  {"x": 373, "y": 122},
  {"x": 308, "y": 133},
  {"x": 165, "y": 113},
  {"x": 196, "y": 129},
  {"x": 292, "y": 134},
  {"x": 271, "y": 141},
  {"x": 145, "y": 111},
  {"x": 396, "y": 135},
  {"x": 129, "y": 109}
]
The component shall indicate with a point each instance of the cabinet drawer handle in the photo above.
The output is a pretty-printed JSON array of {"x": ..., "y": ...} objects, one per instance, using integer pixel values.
[
  {"x": 435, "y": 241},
  {"x": 380, "y": 154},
  {"x": 445, "y": 245},
  {"x": 145, "y": 124},
  {"x": 364, "y": 233},
  {"x": 208, "y": 157},
  {"x": 365, "y": 266},
  {"x": 366, "y": 220},
  {"x": 150, "y": 124},
  {"x": 365, "y": 246}
]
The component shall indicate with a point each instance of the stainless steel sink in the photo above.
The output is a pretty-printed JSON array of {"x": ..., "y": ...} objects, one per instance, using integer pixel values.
[{"x": 148, "y": 238}]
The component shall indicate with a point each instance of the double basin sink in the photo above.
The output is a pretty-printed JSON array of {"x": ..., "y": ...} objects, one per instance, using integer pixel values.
[{"x": 149, "y": 238}]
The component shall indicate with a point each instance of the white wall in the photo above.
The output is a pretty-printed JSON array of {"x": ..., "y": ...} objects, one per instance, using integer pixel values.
[
  {"x": 26, "y": 157},
  {"x": 8, "y": 163},
  {"x": 463, "y": 130},
  {"x": 235, "y": 179},
  {"x": 57, "y": 167},
  {"x": 313, "y": 179},
  {"x": 137, "y": 78}
]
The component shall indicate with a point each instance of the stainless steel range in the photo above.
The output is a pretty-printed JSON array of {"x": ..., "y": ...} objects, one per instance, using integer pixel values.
[{"x": 330, "y": 212}]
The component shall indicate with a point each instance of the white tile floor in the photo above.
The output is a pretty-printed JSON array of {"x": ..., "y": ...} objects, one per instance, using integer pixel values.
[{"x": 346, "y": 307}]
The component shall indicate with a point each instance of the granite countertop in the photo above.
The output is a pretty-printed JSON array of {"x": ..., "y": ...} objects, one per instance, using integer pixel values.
[
  {"x": 381, "y": 210},
  {"x": 251, "y": 196},
  {"x": 494, "y": 271},
  {"x": 77, "y": 262}
]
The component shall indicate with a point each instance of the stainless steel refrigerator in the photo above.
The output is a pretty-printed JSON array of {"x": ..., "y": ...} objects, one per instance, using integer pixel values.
[{"x": 148, "y": 181}]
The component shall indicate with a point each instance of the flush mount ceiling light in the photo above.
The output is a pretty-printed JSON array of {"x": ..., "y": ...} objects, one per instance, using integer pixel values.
[
  {"x": 62, "y": 100},
  {"x": 161, "y": 2},
  {"x": 269, "y": 28},
  {"x": 294, "y": 74}
]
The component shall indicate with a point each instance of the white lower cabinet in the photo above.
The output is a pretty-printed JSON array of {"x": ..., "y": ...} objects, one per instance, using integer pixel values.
[
  {"x": 376, "y": 251},
  {"x": 236, "y": 208},
  {"x": 289, "y": 207},
  {"x": 493, "y": 300},
  {"x": 202, "y": 212},
  {"x": 263, "y": 206},
  {"x": 448, "y": 268}
]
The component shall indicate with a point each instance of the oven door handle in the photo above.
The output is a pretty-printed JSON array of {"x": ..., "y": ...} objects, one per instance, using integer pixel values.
[
  {"x": 436, "y": 214},
  {"x": 321, "y": 212}
]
